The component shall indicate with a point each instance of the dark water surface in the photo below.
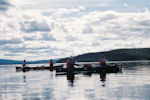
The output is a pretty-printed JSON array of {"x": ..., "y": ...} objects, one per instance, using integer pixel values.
[{"x": 132, "y": 84}]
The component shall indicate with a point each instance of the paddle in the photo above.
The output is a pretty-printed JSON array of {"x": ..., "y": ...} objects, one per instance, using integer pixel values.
[{"x": 77, "y": 64}]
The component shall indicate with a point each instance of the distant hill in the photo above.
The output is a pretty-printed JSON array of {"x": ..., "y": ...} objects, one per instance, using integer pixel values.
[
  {"x": 114, "y": 55},
  {"x": 5, "y": 61}
]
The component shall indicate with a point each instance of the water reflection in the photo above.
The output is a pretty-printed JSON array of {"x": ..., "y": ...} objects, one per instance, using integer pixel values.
[
  {"x": 103, "y": 78},
  {"x": 24, "y": 78},
  {"x": 70, "y": 78},
  {"x": 132, "y": 84}
]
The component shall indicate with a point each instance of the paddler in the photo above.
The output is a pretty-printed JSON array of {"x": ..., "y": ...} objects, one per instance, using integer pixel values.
[
  {"x": 70, "y": 62},
  {"x": 102, "y": 61},
  {"x": 24, "y": 64},
  {"x": 67, "y": 63},
  {"x": 51, "y": 65}
]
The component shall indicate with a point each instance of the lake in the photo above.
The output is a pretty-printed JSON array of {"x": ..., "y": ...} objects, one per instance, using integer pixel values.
[{"x": 132, "y": 84}]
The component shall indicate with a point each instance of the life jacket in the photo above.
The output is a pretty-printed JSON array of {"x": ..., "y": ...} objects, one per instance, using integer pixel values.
[
  {"x": 68, "y": 63},
  {"x": 51, "y": 63},
  {"x": 101, "y": 62}
]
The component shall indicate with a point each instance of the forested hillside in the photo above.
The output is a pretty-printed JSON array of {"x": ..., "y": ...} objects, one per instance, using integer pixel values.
[{"x": 114, "y": 55}]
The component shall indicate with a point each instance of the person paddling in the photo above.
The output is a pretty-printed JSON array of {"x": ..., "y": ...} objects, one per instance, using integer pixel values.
[
  {"x": 24, "y": 64},
  {"x": 102, "y": 61},
  {"x": 51, "y": 65},
  {"x": 70, "y": 63}
]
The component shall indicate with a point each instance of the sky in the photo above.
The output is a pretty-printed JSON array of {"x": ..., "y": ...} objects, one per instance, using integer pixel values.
[{"x": 45, "y": 29}]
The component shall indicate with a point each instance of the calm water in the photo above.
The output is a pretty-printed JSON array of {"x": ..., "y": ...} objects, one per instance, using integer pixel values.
[{"x": 132, "y": 84}]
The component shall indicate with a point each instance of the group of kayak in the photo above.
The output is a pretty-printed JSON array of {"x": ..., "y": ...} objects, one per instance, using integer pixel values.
[
  {"x": 71, "y": 67},
  {"x": 102, "y": 68}
]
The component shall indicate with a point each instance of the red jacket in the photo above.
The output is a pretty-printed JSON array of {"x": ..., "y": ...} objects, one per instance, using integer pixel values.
[
  {"x": 101, "y": 62},
  {"x": 68, "y": 63},
  {"x": 51, "y": 64}
]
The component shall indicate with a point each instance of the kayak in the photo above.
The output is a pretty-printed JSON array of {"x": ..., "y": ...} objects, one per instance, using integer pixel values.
[
  {"x": 37, "y": 68},
  {"x": 92, "y": 69}
]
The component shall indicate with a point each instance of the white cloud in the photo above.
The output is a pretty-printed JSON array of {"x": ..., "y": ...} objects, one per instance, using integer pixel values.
[
  {"x": 125, "y": 4},
  {"x": 47, "y": 37},
  {"x": 42, "y": 34},
  {"x": 4, "y": 5},
  {"x": 55, "y": 4},
  {"x": 10, "y": 41},
  {"x": 33, "y": 26}
]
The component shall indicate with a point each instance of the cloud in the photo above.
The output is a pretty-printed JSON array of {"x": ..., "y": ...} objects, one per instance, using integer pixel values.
[
  {"x": 33, "y": 26},
  {"x": 61, "y": 12},
  {"x": 125, "y": 4},
  {"x": 35, "y": 34},
  {"x": 64, "y": 11},
  {"x": 11, "y": 41},
  {"x": 4, "y": 5},
  {"x": 71, "y": 38},
  {"x": 30, "y": 38},
  {"x": 47, "y": 37},
  {"x": 55, "y": 4},
  {"x": 145, "y": 22},
  {"x": 88, "y": 30},
  {"x": 13, "y": 49},
  {"x": 11, "y": 54}
]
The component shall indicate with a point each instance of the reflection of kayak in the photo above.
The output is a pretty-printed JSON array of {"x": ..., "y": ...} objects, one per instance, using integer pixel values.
[
  {"x": 37, "y": 68},
  {"x": 92, "y": 69}
]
